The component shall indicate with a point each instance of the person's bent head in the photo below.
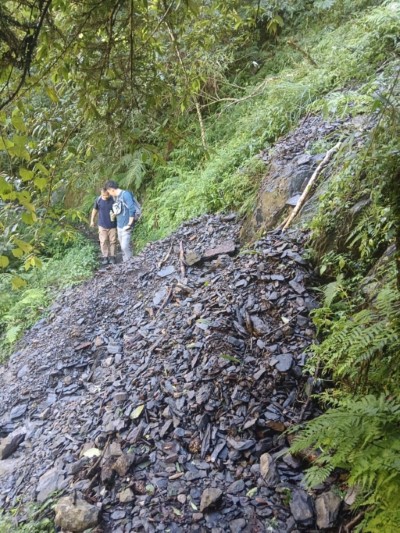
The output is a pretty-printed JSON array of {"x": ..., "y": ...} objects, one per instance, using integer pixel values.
[
  {"x": 104, "y": 194},
  {"x": 111, "y": 187}
]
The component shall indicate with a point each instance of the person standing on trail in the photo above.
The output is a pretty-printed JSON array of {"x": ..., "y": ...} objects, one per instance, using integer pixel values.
[
  {"x": 124, "y": 208},
  {"x": 107, "y": 226}
]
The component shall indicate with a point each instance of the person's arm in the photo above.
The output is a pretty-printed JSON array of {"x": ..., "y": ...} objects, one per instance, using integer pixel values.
[
  {"x": 95, "y": 210},
  {"x": 93, "y": 217},
  {"x": 131, "y": 209}
]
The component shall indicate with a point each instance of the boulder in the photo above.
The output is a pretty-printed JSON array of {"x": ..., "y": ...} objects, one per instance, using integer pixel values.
[
  {"x": 327, "y": 507},
  {"x": 10, "y": 444},
  {"x": 75, "y": 516}
]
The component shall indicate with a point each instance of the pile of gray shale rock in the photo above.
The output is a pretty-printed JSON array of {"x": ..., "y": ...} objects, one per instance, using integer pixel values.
[{"x": 155, "y": 397}]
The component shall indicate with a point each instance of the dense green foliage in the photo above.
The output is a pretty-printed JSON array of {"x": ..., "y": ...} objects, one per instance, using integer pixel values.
[
  {"x": 175, "y": 100},
  {"x": 146, "y": 93},
  {"x": 37, "y": 519},
  {"x": 359, "y": 320},
  {"x": 286, "y": 88},
  {"x": 20, "y": 309}
]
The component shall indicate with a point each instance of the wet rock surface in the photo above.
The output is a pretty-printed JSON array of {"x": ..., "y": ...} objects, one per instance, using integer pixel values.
[
  {"x": 290, "y": 164},
  {"x": 158, "y": 392}
]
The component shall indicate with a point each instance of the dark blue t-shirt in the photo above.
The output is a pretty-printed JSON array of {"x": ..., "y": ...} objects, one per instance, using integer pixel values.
[{"x": 104, "y": 207}]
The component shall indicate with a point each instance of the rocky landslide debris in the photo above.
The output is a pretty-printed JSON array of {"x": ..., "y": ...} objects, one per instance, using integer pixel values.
[{"x": 158, "y": 393}]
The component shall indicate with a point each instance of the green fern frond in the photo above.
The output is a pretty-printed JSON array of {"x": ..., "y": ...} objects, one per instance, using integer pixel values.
[
  {"x": 331, "y": 290},
  {"x": 360, "y": 435},
  {"x": 370, "y": 336}
]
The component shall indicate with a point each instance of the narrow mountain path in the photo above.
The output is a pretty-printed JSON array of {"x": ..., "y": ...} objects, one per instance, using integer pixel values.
[{"x": 158, "y": 393}]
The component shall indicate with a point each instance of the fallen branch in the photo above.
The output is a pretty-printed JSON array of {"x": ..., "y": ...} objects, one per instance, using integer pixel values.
[
  {"x": 303, "y": 52},
  {"x": 311, "y": 182},
  {"x": 260, "y": 88},
  {"x": 356, "y": 520},
  {"x": 165, "y": 301},
  {"x": 92, "y": 470},
  {"x": 163, "y": 260}
]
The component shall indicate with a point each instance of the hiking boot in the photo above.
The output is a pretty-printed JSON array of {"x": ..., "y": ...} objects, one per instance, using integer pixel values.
[
  {"x": 104, "y": 261},
  {"x": 112, "y": 260}
]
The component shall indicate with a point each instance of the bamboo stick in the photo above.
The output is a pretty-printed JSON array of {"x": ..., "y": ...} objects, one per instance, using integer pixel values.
[{"x": 311, "y": 182}]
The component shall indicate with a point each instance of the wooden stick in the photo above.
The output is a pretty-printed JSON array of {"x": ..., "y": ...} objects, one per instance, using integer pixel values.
[
  {"x": 93, "y": 468},
  {"x": 182, "y": 260},
  {"x": 165, "y": 257},
  {"x": 165, "y": 301},
  {"x": 356, "y": 520},
  {"x": 311, "y": 182}
]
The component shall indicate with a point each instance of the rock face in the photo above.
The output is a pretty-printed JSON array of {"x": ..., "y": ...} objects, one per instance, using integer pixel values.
[
  {"x": 289, "y": 166},
  {"x": 162, "y": 400}
]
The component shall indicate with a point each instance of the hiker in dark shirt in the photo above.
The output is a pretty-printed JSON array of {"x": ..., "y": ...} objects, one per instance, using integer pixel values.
[
  {"x": 125, "y": 216},
  {"x": 107, "y": 227}
]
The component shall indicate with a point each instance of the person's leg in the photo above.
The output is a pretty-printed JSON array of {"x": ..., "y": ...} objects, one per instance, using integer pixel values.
[
  {"x": 103, "y": 238},
  {"x": 124, "y": 237},
  {"x": 112, "y": 236}
]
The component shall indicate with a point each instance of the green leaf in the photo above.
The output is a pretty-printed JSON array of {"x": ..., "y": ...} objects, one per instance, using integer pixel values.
[
  {"x": 137, "y": 412},
  {"x": 13, "y": 334},
  {"x": 20, "y": 140},
  {"x": 230, "y": 358},
  {"x": 17, "y": 283},
  {"x": 33, "y": 261},
  {"x": 24, "y": 246},
  {"x": 40, "y": 183},
  {"x": 19, "y": 150},
  {"x": 5, "y": 187},
  {"x": 42, "y": 168},
  {"x": 51, "y": 92},
  {"x": 26, "y": 174},
  {"x": 193, "y": 6},
  {"x": 29, "y": 218},
  {"x": 4, "y": 261},
  {"x": 17, "y": 252},
  {"x": 18, "y": 123},
  {"x": 5, "y": 144},
  {"x": 23, "y": 201}
]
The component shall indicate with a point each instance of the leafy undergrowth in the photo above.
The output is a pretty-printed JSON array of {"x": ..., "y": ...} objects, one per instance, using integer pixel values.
[
  {"x": 36, "y": 519},
  {"x": 355, "y": 244},
  {"x": 20, "y": 309},
  {"x": 340, "y": 80}
]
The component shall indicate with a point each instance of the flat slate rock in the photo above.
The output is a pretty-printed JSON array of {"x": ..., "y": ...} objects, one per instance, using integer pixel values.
[
  {"x": 167, "y": 271},
  {"x": 227, "y": 248}
]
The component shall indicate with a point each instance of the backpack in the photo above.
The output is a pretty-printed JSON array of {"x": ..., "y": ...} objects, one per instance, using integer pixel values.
[{"x": 119, "y": 205}]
